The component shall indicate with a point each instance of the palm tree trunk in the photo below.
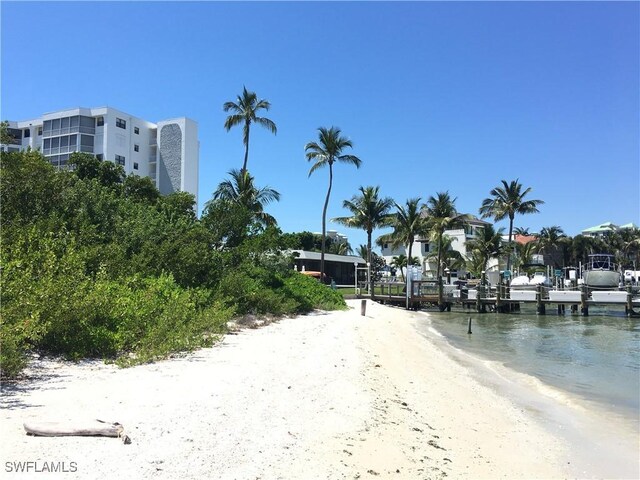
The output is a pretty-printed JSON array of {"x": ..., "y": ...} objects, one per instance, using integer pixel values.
[
  {"x": 438, "y": 270},
  {"x": 324, "y": 222},
  {"x": 369, "y": 262},
  {"x": 510, "y": 233},
  {"x": 246, "y": 151},
  {"x": 409, "y": 292}
]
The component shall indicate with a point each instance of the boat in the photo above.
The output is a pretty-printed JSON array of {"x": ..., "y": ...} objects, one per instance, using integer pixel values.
[
  {"x": 520, "y": 281},
  {"x": 523, "y": 282},
  {"x": 539, "y": 278},
  {"x": 600, "y": 271}
]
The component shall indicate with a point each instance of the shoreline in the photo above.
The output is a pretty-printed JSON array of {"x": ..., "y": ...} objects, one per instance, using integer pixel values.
[
  {"x": 604, "y": 441},
  {"x": 327, "y": 395}
]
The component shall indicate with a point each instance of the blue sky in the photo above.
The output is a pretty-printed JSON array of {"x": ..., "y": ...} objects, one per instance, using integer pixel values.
[{"x": 434, "y": 96}]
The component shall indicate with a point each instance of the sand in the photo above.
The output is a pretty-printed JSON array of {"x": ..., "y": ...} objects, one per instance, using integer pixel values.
[{"x": 328, "y": 395}]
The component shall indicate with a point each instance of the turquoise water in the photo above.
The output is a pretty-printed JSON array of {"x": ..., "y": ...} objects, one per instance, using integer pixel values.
[{"x": 595, "y": 358}]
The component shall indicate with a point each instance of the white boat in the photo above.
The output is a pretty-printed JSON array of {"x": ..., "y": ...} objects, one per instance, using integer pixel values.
[
  {"x": 523, "y": 282},
  {"x": 539, "y": 278},
  {"x": 600, "y": 271},
  {"x": 520, "y": 281}
]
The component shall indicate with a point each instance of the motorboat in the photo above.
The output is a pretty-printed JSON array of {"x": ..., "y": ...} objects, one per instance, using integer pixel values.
[
  {"x": 520, "y": 281},
  {"x": 524, "y": 282},
  {"x": 600, "y": 271},
  {"x": 539, "y": 278}
]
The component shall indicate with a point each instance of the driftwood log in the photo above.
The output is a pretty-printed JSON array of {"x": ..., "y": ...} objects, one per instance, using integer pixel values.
[{"x": 97, "y": 428}]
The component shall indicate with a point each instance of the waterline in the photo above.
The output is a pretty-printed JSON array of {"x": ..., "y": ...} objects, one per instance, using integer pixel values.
[{"x": 578, "y": 376}]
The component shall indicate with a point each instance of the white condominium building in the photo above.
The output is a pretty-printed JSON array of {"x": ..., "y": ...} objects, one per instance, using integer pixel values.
[{"x": 167, "y": 151}]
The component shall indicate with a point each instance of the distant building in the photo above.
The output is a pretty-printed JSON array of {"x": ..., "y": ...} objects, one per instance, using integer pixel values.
[
  {"x": 422, "y": 248},
  {"x": 167, "y": 151},
  {"x": 340, "y": 268},
  {"x": 606, "y": 227}
]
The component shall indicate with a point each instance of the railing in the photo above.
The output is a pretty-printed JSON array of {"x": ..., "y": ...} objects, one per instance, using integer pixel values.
[{"x": 64, "y": 131}]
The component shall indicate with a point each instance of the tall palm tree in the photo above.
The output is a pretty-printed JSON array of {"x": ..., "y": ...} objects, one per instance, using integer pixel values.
[
  {"x": 441, "y": 215},
  {"x": 325, "y": 153},
  {"x": 408, "y": 224},
  {"x": 245, "y": 111},
  {"x": 487, "y": 244},
  {"x": 240, "y": 189},
  {"x": 369, "y": 211},
  {"x": 548, "y": 240},
  {"x": 505, "y": 202}
]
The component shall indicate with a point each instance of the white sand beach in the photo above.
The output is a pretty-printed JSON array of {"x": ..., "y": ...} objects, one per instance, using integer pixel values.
[{"x": 329, "y": 395}]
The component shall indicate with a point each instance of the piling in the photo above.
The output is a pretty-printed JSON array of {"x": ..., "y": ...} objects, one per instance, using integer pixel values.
[
  {"x": 469, "y": 327},
  {"x": 363, "y": 307},
  {"x": 584, "y": 306},
  {"x": 540, "y": 308}
]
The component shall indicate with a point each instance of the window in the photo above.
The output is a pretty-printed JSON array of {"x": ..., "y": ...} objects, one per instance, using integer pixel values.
[
  {"x": 135, "y": 166},
  {"x": 386, "y": 245},
  {"x": 136, "y": 130},
  {"x": 120, "y": 123},
  {"x": 39, "y": 130},
  {"x": 27, "y": 133},
  {"x": 136, "y": 148},
  {"x": 100, "y": 121},
  {"x": 100, "y": 157},
  {"x": 426, "y": 247},
  {"x": 120, "y": 160}
]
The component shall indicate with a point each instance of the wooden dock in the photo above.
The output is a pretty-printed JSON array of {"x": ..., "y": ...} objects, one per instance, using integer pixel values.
[{"x": 501, "y": 298}]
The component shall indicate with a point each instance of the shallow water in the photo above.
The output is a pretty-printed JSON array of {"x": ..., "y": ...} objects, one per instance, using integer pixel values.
[
  {"x": 596, "y": 358},
  {"x": 580, "y": 376}
]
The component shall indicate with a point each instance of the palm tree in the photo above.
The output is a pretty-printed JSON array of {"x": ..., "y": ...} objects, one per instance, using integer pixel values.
[
  {"x": 506, "y": 201},
  {"x": 327, "y": 152},
  {"x": 524, "y": 231},
  {"x": 241, "y": 190},
  {"x": 446, "y": 255},
  {"x": 408, "y": 224},
  {"x": 441, "y": 215},
  {"x": 548, "y": 240},
  {"x": 362, "y": 251},
  {"x": 244, "y": 111},
  {"x": 486, "y": 245},
  {"x": 524, "y": 254},
  {"x": 369, "y": 211},
  {"x": 400, "y": 262}
]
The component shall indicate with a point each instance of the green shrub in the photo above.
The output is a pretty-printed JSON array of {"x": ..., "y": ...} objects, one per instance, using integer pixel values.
[{"x": 311, "y": 294}]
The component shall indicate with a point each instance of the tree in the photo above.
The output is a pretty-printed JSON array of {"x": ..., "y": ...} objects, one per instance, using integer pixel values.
[
  {"x": 408, "y": 224},
  {"x": 446, "y": 255},
  {"x": 400, "y": 262},
  {"x": 141, "y": 189},
  {"x": 507, "y": 201},
  {"x": 486, "y": 245},
  {"x": 369, "y": 211},
  {"x": 524, "y": 231},
  {"x": 87, "y": 166},
  {"x": 325, "y": 153},
  {"x": 441, "y": 215},
  {"x": 245, "y": 111},
  {"x": 5, "y": 136},
  {"x": 240, "y": 189},
  {"x": 548, "y": 240}
]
